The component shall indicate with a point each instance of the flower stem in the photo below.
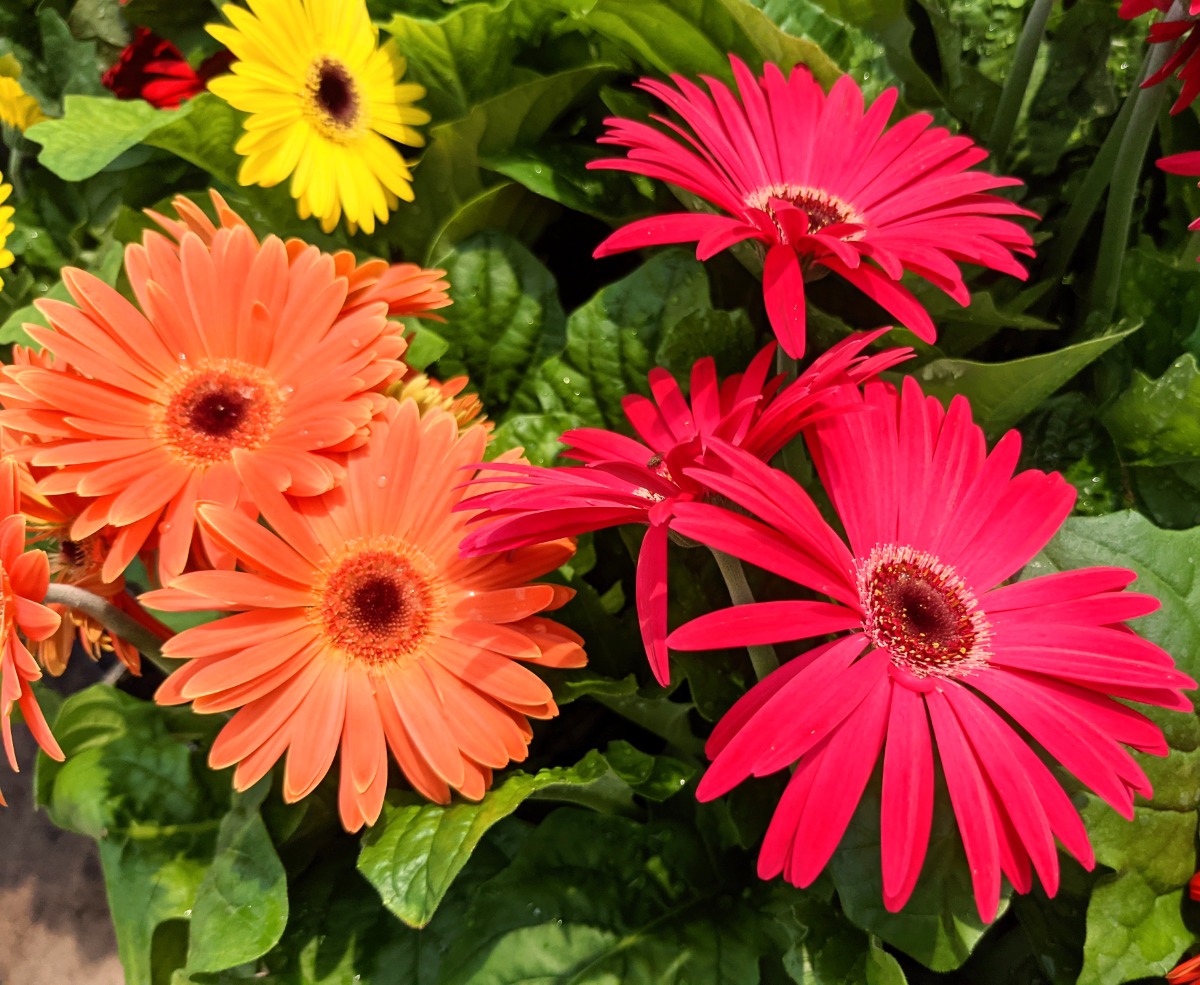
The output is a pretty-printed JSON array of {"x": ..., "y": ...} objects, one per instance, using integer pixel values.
[
  {"x": 762, "y": 656},
  {"x": 111, "y": 618},
  {"x": 1012, "y": 96},
  {"x": 1118, "y": 213}
]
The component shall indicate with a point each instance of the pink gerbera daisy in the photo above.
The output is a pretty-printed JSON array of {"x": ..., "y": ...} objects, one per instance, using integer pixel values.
[
  {"x": 942, "y": 661},
  {"x": 624, "y": 480},
  {"x": 822, "y": 186},
  {"x": 1182, "y": 62}
]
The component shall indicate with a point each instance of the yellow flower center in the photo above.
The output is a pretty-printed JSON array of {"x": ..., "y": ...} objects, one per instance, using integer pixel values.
[
  {"x": 921, "y": 612},
  {"x": 213, "y": 409},
  {"x": 333, "y": 104},
  {"x": 379, "y": 601}
]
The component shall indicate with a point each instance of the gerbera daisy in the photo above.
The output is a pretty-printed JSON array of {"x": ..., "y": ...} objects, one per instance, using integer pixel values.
[
  {"x": 407, "y": 289},
  {"x": 360, "y": 628},
  {"x": 1182, "y": 62},
  {"x": 1185, "y": 973},
  {"x": 624, "y": 480},
  {"x": 822, "y": 186},
  {"x": 434, "y": 395},
  {"x": 153, "y": 69},
  {"x": 1187, "y": 163},
  {"x": 6, "y": 227},
  {"x": 18, "y": 109},
  {"x": 1194, "y": 887},
  {"x": 243, "y": 364},
  {"x": 1000, "y": 673},
  {"x": 24, "y": 577},
  {"x": 325, "y": 102}
]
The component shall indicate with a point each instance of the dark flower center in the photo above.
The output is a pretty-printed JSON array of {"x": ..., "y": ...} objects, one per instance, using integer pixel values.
[
  {"x": 213, "y": 409},
  {"x": 921, "y": 612},
  {"x": 218, "y": 414},
  {"x": 336, "y": 93},
  {"x": 822, "y": 208}
]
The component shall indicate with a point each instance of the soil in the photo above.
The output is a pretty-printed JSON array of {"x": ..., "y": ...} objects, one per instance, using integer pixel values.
[{"x": 54, "y": 922}]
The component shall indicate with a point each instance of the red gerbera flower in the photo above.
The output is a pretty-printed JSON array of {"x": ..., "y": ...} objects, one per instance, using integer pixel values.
[
  {"x": 359, "y": 628},
  {"x": 935, "y": 525},
  {"x": 1185, "y": 973},
  {"x": 153, "y": 69},
  {"x": 24, "y": 578},
  {"x": 1182, "y": 62},
  {"x": 823, "y": 186},
  {"x": 624, "y": 480}
]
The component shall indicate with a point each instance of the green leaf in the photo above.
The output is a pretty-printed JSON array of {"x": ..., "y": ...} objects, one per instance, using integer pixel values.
[
  {"x": 241, "y": 906},
  {"x": 204, "y": 136},
  {"x": 596, "y": 900},
  {"x": 538, "y": 434},
  {"x": 939, "y": 925},
  {"x": 70, "y": 65},
  {"x": 505, "y": 313},
  {"x": 559, "y": 172},
  {"x": 415, "y": 851},
  {"x": 135, "y": 780},
  {"x": 1134, "y": 919},
  {"x": 449, "y": 175},
  {"x": 95, "y": 131},
  {"x": 697, "y": 36},
  {"x": 425, "y": 345},
  {"x": 506, "y": 206},
  {"x": 1003, "y": 393},
  {"x": 1157, "y": 422},
  {"x": 612, "y": 338}
]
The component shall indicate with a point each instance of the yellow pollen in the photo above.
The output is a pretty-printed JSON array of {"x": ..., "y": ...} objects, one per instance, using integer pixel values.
[
  {"x": 823, "y": 209},
  {"x": 921, "y": 612},
  {"x": 207, "y": 412},
  {"x": 379, "y": 601},
  {"x": 333, "y": 103}
]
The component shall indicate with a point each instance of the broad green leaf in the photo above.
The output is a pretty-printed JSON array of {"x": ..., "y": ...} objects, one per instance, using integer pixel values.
[
  {"x": 538, "y": 434},
  {"x": 425, "y": 345},
  {"x": 691, "y": 37},
  {"x": 596, "y": 900},
  {"x": 1157, "y": 422},
  {"x": 1003, "y": 393},
  {"x": 939, "y": 925},
  {"x": 241, "y": 905},
  {"x": 727, "y": 336},
  {"x": 69, "y": 65},
  {"x": 1169, "y": 496},
  {"x": 505, "y": 313},
  {"x": 611, "y": 340},
  {"x": 559, "y": 172},
  {"x": 414, "y": 853},
  {"x": 181, "y": 21},
  {"x": 506, "y": 206},
  {"x": 1162, "y": 291},
  {"x": 134, "y": 779},
  {"x": 449, "y": 174},
  {"x": 1135, "y": 926},
  {"x": 94, "y": 131},
  {"x": 204, "y": 137}
]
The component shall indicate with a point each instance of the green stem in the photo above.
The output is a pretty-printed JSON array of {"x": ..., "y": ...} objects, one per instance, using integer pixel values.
[
  {"x": 1012, "y": 96},
  {"x": 1118, "y": 213},
  {"x": 762, "y": 656},
  {"x": 111, "y": 618}
]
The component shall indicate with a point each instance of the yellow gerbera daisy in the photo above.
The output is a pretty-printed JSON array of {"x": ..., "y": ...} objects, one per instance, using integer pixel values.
[
  {"x": 324, "y": 101},
  {"x": 6, "y": 227},
  {"x": 18, "y": 108}
]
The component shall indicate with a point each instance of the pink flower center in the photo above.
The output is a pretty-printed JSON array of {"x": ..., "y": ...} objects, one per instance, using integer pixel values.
[
  {"x": 921, "y": 612},
  {"x": 822, "y": 208},
  {"x": 379, "y": 602}
]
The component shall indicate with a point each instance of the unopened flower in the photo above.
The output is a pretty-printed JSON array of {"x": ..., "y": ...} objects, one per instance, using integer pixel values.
[
  {"x": 939, "y": 658},
  {"x": 823, "y": 186}
]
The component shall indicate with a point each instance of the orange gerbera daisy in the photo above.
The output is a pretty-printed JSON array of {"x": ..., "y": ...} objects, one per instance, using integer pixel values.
[
  {"x": 360, "y": 627},
  {"x": 24, "y": 577},
  {"x": 406, "y": 288},
  {"x": 242, "y": 362}
]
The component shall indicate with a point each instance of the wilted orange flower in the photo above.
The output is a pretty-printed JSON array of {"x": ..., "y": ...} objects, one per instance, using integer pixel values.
[
  {"x": 406, "y": 288},
  {"x": 360, "y": 628},
  {"x": 242, "y": 362},
  {"x": 24, "y": 577}
]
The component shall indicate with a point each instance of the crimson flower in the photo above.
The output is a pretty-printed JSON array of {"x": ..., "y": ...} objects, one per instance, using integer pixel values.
[
  {"x": 823, "y": 186},
  {"x": 1186, "y": 164},
  {"x": 936, "y": 641},
  {"x": 1185, "y": 973},
  {"x": 153, "y": 69},
  {"x": 1182, "y": 62},
  {"x": 625, "y": 480}
]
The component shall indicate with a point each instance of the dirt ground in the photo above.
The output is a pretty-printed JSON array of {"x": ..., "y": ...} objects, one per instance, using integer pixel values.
[{"x": 54, "y": 923}]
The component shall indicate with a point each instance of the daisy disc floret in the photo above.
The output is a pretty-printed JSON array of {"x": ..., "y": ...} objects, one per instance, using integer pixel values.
[
  {"x": 238, "y": 362},
  {"x": 627, "y": 480},
  {"x": 940, "y": 661},
  {"x": 325, "y": 102},
  {"x": 824, "y": 185},
  {"x": 359, "y": 629}
]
